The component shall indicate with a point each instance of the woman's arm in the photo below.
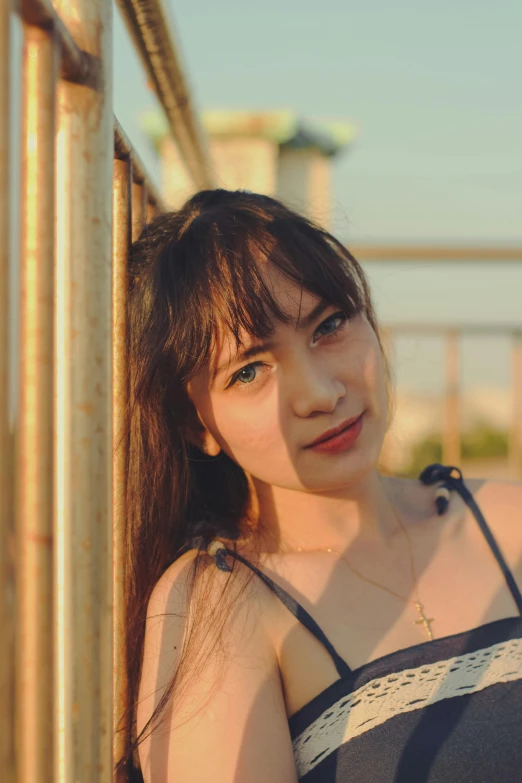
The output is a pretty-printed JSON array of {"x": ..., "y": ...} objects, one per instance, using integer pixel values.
[{"x": 234, "y": 725}]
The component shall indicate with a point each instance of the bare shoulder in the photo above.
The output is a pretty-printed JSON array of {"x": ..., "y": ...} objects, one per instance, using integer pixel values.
[
  {"x": 501, "y": 494},
  {"x": 501, "y": 504},
  {"x": 192, "y": 595},
  {"x": 173, "y": 586},
  {"x": 194, "y": 576},
  {"x": 206, "y": 628}
]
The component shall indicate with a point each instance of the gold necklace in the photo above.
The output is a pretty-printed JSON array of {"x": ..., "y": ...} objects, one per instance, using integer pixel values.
[{"x": 423, "y": 620}]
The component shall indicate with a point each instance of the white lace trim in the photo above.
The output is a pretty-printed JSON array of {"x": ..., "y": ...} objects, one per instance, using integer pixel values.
[{"x": 412, "y": 689}]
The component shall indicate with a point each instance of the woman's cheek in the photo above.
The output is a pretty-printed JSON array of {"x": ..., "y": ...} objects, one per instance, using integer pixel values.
[
  {"x": 372, "y": 369},
  {"x": 370, "y": 363},
  {"x": 254, "y": 436},
  {"x": 247, "y": 428},
  {"x": 375, "y": 381}
]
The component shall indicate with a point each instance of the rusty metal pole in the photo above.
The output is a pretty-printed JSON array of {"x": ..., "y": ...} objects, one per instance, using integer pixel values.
[
  {"x": 515, "y": 450},
  {"x": 122, "y": 226},
  {"x": 64, "y": 598},
  {"x": 139, "y": 208},
  {"x": 34, "y": 442},
  {"x": 83, "y": 472},
  {"x": 7, "y": 658},
  {"x": 451, "y": 434},
  {"x": 151, "y": 30},
  {"x": 152, "y": 211}
]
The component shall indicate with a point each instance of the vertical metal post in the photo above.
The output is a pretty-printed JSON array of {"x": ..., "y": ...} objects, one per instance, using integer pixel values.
[
  {"x": 64, "y": 566},
  {"x": 152, "y": 211},
  {"x": 83, "y": 467},
  {"x": 34, "y": 447},
  {"x": 122, "y": 226},
  {"x": 451, "y": 434},
  {"x": 7, "y": 658},
  {"x": 139, "y": 209},
  {"x": 515, "y": 443}
]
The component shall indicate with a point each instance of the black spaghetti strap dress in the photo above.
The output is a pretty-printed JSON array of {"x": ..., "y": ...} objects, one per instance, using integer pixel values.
[{"x": 442, "y": 711}]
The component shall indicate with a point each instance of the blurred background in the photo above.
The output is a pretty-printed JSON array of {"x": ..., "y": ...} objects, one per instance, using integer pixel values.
[{"x": 398, "y": 126}]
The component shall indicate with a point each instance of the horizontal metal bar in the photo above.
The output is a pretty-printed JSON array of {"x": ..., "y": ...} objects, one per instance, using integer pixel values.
[
  {"x": 123, "y": 150},
  {"x": 424, "y": 329},
  {"x": 151, "y": 32},
  {"x": 434, "y": 253},
  {"x": 76, "y": 65}
]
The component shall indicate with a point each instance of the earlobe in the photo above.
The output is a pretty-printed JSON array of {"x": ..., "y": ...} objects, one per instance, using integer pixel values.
[
  {"x": 210, "y": 445},
  {"x": 198, "y": 434},
  {"x": 204, "y": 442}
]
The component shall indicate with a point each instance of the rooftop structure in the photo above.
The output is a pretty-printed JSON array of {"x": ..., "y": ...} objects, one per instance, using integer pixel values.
[{"x": 273, "y": 152}]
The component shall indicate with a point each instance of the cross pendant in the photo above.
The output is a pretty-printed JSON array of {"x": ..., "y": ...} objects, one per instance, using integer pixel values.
[{"x": 425, "y": 621}]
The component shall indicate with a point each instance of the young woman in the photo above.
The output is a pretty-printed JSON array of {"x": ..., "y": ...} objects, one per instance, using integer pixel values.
[{"x": 294, "y": 611}]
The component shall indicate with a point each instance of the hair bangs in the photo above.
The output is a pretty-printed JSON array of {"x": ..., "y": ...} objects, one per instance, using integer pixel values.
[
  {"x": 235, "y": 295},
  {"x": 195, "y": 275}
]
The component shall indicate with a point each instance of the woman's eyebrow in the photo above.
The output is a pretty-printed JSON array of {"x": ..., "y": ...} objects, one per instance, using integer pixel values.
[
  {"x": 243, "y": 354},
  {"x": 314, "y": 313},
  {"x": 268, "y": 345}
]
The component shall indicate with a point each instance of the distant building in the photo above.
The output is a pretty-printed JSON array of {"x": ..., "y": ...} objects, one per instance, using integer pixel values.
[{"x": 275, "y": 153}]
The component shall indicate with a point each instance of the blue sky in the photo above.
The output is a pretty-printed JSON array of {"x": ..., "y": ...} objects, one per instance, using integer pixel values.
[{"x": 434, "y": 90}]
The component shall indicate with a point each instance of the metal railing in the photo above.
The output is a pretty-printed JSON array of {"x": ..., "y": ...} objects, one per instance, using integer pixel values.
[
  {"x": 450, "y": 425},
  {"x": 151, "y": 32},
  {"x": 7, "y": 759},
  {"x": 451, "y": 434},
  {"x": 440, "y": 253},
  {"x": 85, "y": 196}
]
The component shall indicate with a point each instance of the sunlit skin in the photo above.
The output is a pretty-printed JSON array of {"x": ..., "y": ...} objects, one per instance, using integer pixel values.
[{"x": 264, "y": 411}]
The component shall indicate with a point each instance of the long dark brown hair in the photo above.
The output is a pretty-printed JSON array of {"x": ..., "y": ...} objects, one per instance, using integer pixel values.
[{"x": 189, "y": 271}]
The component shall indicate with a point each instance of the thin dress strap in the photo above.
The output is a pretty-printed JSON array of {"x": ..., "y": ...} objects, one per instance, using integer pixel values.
[
  {"x": 443, "y": 473},
  {"x": 299, "y": 612}
]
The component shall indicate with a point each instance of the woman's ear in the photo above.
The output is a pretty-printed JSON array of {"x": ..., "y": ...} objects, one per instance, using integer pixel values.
[
  {"x": 197, "y": 433},
  {"x": 210, "y": 444}
]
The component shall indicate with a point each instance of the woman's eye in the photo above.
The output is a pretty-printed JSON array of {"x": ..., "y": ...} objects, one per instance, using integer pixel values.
[
  {"x": 246, "y": 374},
  {"x": 331, "y": 324}
]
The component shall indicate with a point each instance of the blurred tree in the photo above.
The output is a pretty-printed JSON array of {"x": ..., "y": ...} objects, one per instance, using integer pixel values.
[{"x": 482, "y": 442}]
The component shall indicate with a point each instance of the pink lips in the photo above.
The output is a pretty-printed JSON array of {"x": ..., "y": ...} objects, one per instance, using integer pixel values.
[{"x": 339, "y": 438}]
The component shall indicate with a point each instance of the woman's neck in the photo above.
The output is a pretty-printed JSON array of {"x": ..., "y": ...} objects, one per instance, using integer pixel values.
[{"x": 290, "y": 519}]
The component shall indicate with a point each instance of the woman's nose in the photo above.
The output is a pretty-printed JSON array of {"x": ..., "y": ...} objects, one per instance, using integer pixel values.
[{"x": 314, "y": 390}]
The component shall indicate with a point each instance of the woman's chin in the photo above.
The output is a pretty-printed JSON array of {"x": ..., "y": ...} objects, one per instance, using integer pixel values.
[{"x": 337, "y": 478}]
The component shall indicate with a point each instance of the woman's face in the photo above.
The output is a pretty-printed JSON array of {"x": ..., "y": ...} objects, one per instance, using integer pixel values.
[{"x": 265, "y": 408}]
